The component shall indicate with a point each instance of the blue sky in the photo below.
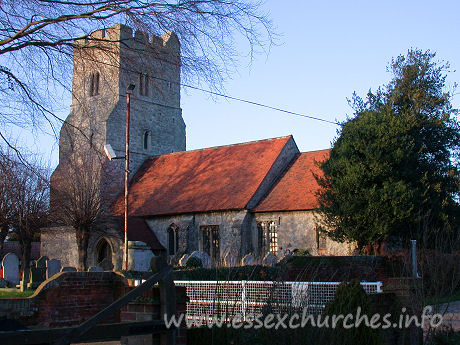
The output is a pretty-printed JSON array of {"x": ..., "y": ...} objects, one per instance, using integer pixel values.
[{"x": 328, "y": 50}]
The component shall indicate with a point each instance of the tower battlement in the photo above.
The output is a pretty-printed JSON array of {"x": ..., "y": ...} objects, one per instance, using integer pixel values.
[{"x": 139, "y": 40}]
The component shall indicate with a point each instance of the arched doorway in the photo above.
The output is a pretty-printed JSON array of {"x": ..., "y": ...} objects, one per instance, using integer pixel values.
[{"x": 103, "y": 251}]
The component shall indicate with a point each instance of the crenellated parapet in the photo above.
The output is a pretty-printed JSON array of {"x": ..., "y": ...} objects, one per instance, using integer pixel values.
[{"x": 138, "y": 40}]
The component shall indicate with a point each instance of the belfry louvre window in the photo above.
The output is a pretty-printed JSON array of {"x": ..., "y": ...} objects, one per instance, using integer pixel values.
[
  {"x": 267, "y": 237},
  {"x": 146, "y": 140},
  {"x": 94, "y": 84},
  {"x": 143, "y": 84},
  {"x": 210, "y": 241}
]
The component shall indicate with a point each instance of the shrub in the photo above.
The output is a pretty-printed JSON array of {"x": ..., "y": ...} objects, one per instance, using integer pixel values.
[{"x": 348, "y": 297}]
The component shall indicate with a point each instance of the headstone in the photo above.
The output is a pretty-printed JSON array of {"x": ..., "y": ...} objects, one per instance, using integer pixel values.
[
  {"x": 10, "y": 264},
  {"x": 37, "y": 273},
  {"x": 270, "y": 260},
  {"x": 195, "y": 255},
  {"x": 248, "y": 260},
  {"x": 183, "y": 260},
  {"x": 157, "y": 263},
  {"x": 3, "y": 283},
  {"x": 106, "y": 265},
  {"x": 95, "y": 269},
  {"x": 68, "y": 269},
  {"x": 52, "y": 267},
  {"x": 41, "y": 262},
  {"x": 203, "y": 257},
  {"x": 139, "y": 256},
  {"x": 206, "y": 260},
  {"x": 230, "y": 260}
]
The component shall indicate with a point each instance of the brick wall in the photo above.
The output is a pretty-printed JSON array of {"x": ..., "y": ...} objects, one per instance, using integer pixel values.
[
  {"x": 147, "y": 307},
  {"x": 69, "y": 298}
]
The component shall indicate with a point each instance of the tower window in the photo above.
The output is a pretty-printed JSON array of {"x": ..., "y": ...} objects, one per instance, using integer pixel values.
[
  {"x": 94, "y": 84},
  {"x": 143, "y": 84},
  {"x": 146, "y": 140}
]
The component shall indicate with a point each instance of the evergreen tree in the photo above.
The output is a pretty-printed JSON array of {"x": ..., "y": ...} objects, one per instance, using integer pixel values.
[{"x": 394, "y": 168}]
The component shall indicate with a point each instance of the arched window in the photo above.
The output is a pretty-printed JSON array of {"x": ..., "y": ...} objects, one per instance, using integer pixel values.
[
  {"x": 173, "y": 239},
  {"x": 94, "y": 84},
  {"x": 146, "y": 140}
]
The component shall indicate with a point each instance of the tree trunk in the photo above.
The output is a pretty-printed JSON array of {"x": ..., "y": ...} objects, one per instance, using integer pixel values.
[
  {"x": 379, "y": 247},
  {"x": 3, "y": 233},
  {"x": 26, "y": 246},
  {"x": 82, "y": 244}
]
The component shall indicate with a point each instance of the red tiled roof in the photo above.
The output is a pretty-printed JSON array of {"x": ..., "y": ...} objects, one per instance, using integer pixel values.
[
  {"x": 138, "y": 230},
  {"x": 296, "y": 189},
  {"x": 218, "y": 178}
]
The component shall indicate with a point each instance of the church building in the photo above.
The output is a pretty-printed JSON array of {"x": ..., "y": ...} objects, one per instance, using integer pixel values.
[{"x": 257, "y": 197}]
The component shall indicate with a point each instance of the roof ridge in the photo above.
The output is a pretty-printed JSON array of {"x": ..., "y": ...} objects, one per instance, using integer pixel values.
[
  {"x": 219, "y": 146},
  {"x": 320, "y": 150}
]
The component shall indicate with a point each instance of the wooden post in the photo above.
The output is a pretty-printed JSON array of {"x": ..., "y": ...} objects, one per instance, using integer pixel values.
[{"x": 167, "y": 298}]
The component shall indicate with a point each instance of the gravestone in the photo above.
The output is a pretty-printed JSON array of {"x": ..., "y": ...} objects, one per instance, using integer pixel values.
[
  {"x": 230, "y": 260},
  {"x": 52, "y": 267},
  {"x": 197, "y": 255},
  {"x": 10, "y": 264},
  {"x": 203, "y": 257},
  {"x": 206, "y": 260},
  {"x": 157, "y": 263},
  {"x": 106, "y": 265},
  {"x": 3, "y": 283},
  {"x": 248, "y": 260},
  {"x": 95, "y": 269},
  {"x": 139, "y": 256},
  {"x": 270, "y": 260},
  {"x": 41, "y": 262},
  {"x": 183, "y": 260},
  {"x": 68, "y": 269},
  {"x": 37, "y": 273}
]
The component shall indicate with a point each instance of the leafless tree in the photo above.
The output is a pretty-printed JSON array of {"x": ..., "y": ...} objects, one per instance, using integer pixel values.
[
  {"x": 7, "y": 175},
  {"x": 78, "y": 197},
  {"x": 29, "y": 198},
  {"x": 37, "y": 39}
]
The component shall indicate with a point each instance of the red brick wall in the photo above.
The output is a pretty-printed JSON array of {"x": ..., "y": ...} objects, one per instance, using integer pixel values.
[
  {"x": 147, "y": 307},
  {"x": 69, "y": 298}
]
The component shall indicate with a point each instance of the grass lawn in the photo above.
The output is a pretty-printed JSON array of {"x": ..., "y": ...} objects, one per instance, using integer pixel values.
[{"x": 15, "y": 293}]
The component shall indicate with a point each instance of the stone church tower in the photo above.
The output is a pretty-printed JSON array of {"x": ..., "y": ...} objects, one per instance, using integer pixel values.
[
  {"x": 104, "y": 66},
  {"x": 102, "y": 71}
]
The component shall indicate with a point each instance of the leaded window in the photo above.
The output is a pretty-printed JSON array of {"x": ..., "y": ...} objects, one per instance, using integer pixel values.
[
  {"x": 210, "y": 241},
  {"x": 267, "y": 233}
]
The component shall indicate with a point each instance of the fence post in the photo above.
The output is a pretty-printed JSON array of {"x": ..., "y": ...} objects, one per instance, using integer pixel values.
[
  {"x": 167, "y": 297},
  {"x": 243, "y": 299},
  {"x": 414, "y": 258}
]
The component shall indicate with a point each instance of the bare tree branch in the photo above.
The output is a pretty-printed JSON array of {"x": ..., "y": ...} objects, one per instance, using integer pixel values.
[{"x": 37, "y": 42}]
